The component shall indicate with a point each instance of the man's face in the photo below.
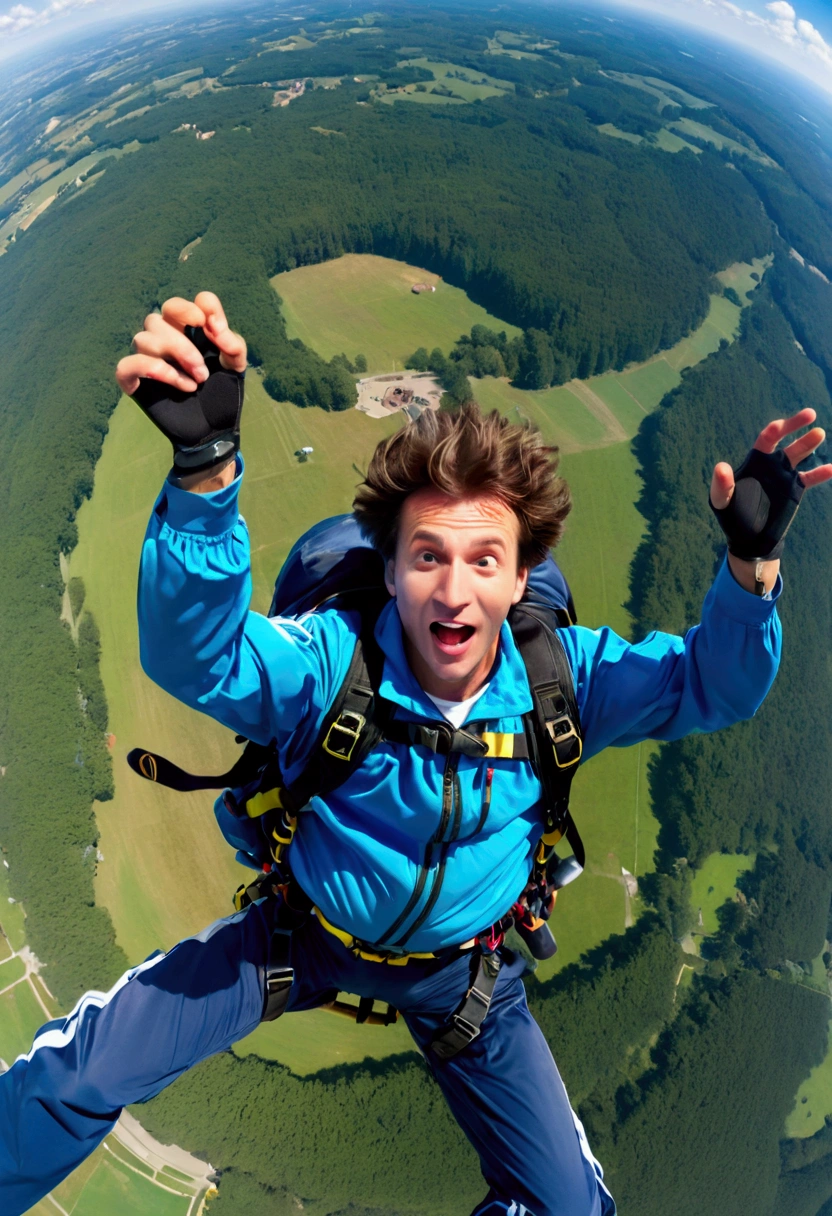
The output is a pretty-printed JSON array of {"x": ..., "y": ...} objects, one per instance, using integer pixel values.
[{"x": 455, "y": 575}]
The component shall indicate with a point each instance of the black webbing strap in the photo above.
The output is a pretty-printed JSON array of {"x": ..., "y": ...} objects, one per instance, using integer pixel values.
[
  {"x": 466, "y": 1022},
  {"x": 279, "y": 976},
  {"x": 553, "y": 728},
  {"x": 154, "y": 767},
  {"x": 353, "y": 725}
]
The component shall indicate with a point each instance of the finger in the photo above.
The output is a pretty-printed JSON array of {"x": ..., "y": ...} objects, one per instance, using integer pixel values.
[
  {"x": 231, "y": 346},
  {"x": 147, "y": 367},
  {"x": 179, "y": 313},
  {"x": 816, "y": 477},
  {"x": 161, "y": 338},
  {"x": 722, "y": 485},
  {"x": 770, "y": 435},
  {"x": 805, "y": 445}
]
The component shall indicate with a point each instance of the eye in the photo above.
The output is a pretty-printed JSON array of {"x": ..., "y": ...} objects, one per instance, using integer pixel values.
[
  {"x": 487, "y": 563},
  {"x": 427, "y": 557}
]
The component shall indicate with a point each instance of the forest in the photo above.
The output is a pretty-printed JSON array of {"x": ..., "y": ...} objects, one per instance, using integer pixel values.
[{"x": 602, "y": 252}]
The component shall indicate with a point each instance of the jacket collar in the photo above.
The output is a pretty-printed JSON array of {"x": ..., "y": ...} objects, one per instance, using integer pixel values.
[{"x": 507, "y": 696}]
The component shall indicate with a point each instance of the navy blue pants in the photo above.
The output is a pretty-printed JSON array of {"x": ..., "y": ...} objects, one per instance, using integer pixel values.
[{"x": 162, "y": 1017}]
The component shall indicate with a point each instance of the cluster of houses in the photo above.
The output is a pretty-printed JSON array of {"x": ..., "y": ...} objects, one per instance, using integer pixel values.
[{"x": 186, "y": 126}]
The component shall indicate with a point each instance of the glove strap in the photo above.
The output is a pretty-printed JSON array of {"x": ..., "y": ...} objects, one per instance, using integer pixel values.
[{"x": 194, "y": 460}]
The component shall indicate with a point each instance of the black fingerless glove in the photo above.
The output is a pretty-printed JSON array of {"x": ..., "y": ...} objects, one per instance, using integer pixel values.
[
  {"x": 204, "y": 427},
  {"x": 764, "y": 503}
]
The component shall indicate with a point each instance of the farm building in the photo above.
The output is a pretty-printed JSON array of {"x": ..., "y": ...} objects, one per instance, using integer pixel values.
[{"x": 418, "y": 288}]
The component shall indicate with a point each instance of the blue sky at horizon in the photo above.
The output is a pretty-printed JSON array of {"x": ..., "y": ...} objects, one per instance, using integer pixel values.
[{"x": 796, "y": 33}]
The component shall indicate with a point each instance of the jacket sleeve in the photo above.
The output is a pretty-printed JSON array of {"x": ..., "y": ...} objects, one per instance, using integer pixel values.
[
  {"x": 264, "y": 678},
  {"x": 666, "y": 687}
]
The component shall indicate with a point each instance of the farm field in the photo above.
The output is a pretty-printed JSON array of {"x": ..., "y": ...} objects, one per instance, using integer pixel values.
[
  {"x": 113, "y": 1180},
  {"x": 52, "y": 184},
  {"x": 466, "y": 84},
  {"x": 698, "y": 130},
  {"x": 361, "y": 303},
  {"x": 166, "y": 871},
  {"x": 715, "y": 882},
  {"x": 813, "y": 1101}
]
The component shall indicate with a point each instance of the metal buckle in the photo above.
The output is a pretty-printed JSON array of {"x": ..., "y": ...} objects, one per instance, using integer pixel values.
[
  {"x": 562, "y": 736},
  {"x": 466, "y": 1028},
  {"x": 349, "y": 724}
]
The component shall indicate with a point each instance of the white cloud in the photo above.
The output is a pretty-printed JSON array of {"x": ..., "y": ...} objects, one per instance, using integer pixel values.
[
  {"x": 21, "y": 18},
  {"x": 778, "y": 20}
]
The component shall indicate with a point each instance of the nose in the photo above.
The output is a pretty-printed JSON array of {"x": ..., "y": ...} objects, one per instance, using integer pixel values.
[{"x": 452, "y": 592}]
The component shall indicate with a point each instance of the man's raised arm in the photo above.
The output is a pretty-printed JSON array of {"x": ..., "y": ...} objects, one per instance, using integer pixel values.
[
  {"x": 666, "y": 687},
  {"x": 198, "y": 639}
]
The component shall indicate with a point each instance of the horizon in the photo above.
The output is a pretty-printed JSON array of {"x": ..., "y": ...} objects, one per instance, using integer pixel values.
[{"x": 796, "y": 37}]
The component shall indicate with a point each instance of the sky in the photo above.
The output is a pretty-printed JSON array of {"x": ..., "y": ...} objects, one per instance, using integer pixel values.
[{"x": 798, "y": 35}]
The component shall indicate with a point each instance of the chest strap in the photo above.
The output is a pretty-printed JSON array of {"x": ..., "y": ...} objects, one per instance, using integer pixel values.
[{"x": 441, "y": 738}]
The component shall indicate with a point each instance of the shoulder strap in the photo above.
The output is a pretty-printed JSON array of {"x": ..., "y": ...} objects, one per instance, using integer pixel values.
[
  {"x": 354, "y": 722},
  {"x": 553, "y": 731}
]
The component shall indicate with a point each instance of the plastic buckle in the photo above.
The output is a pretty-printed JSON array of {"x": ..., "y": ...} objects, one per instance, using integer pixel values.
[
  {"x": 349, "y": 724},
  {"x": 278, "y": 986},
  {"x": 561, "y": 730}
]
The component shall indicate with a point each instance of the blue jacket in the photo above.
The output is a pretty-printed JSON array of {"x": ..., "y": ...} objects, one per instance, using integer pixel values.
[{"x": 358, "y": 853}]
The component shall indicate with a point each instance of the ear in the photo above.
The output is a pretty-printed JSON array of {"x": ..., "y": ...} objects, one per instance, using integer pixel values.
[
  {"x": 520, "y": 585},
  {"x": 389, "y": 575}
]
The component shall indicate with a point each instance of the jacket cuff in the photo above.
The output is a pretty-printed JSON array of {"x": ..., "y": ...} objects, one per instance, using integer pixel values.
[
  {"x": 211, "y": 514},
  {"x": 732, "y": 600}
]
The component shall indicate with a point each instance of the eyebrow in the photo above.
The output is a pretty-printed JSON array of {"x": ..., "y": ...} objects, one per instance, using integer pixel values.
[{"x": 434, "y": 538}]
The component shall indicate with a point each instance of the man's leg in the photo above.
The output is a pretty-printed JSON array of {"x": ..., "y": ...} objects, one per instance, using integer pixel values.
[
  {"x": 503, "y": 1088},
  {"x": 505, "y": 1092},
  {"x": 58, "y": 1102}
]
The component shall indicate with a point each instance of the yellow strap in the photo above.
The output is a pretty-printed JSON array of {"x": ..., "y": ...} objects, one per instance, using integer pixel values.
[
  {"x": 349, "y": 941},
  {"x": 550, "y": 839},
  {"x": 266, "y": 800},
  {"x": 500, "y": 746}
]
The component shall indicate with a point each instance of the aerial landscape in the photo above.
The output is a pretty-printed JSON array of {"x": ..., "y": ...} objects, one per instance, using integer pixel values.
[{"x": 584, "y": 218}]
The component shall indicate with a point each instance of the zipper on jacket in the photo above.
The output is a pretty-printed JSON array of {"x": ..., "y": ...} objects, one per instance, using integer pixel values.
[
  {"x": 450, "y": 797},
  {"x": 451, "y": 803}
]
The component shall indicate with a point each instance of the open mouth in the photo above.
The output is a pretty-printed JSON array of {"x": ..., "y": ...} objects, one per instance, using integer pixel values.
[{"x": 451, "y": 635}]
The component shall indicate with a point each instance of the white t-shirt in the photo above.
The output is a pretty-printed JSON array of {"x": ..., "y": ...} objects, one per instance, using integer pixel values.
[{"x": 457, "y": 711}]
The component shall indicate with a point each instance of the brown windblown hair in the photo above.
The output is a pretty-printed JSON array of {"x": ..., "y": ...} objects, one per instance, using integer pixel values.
[{"x": 465, "y": 453}]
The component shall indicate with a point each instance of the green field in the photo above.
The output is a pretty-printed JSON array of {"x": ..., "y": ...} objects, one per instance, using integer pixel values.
[
  {"x": 813, "y": 1102},
  {"x": 104, "y": 1185},
  {"x": 669, "y": 142},
  {"x": 12, "y": 970},
  {"x": 20, "y": 1017},
  {"x": 466, "y": 84},
  {"x": 698, "y": 130},
  {"x": 53, "y": 184},
  {"x": 715, "y": 882},
  {"x": 166, "y": 871},
  {"x": 608, "y": 128},
  {"x": 363, "y": 304}
]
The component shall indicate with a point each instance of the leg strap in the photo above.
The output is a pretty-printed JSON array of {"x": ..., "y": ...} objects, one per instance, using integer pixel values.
[
  {"x": 466, "y": 1023},
  {"x": 279, "y": 976}
]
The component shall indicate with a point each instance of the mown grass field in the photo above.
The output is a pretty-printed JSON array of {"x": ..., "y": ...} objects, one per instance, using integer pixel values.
[
  {"x": 364, "y": 304},
  {"x": 715, "y": 882},
  {"x": 113, "y": 1181},
  {"x": 813, "y": 1101},
  {"x": 166, "y": 871}
]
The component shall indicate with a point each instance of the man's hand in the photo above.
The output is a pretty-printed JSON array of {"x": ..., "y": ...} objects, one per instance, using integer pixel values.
[
  {"x": 191, "y": 413},
  {"x": 723, "y": 487}
]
